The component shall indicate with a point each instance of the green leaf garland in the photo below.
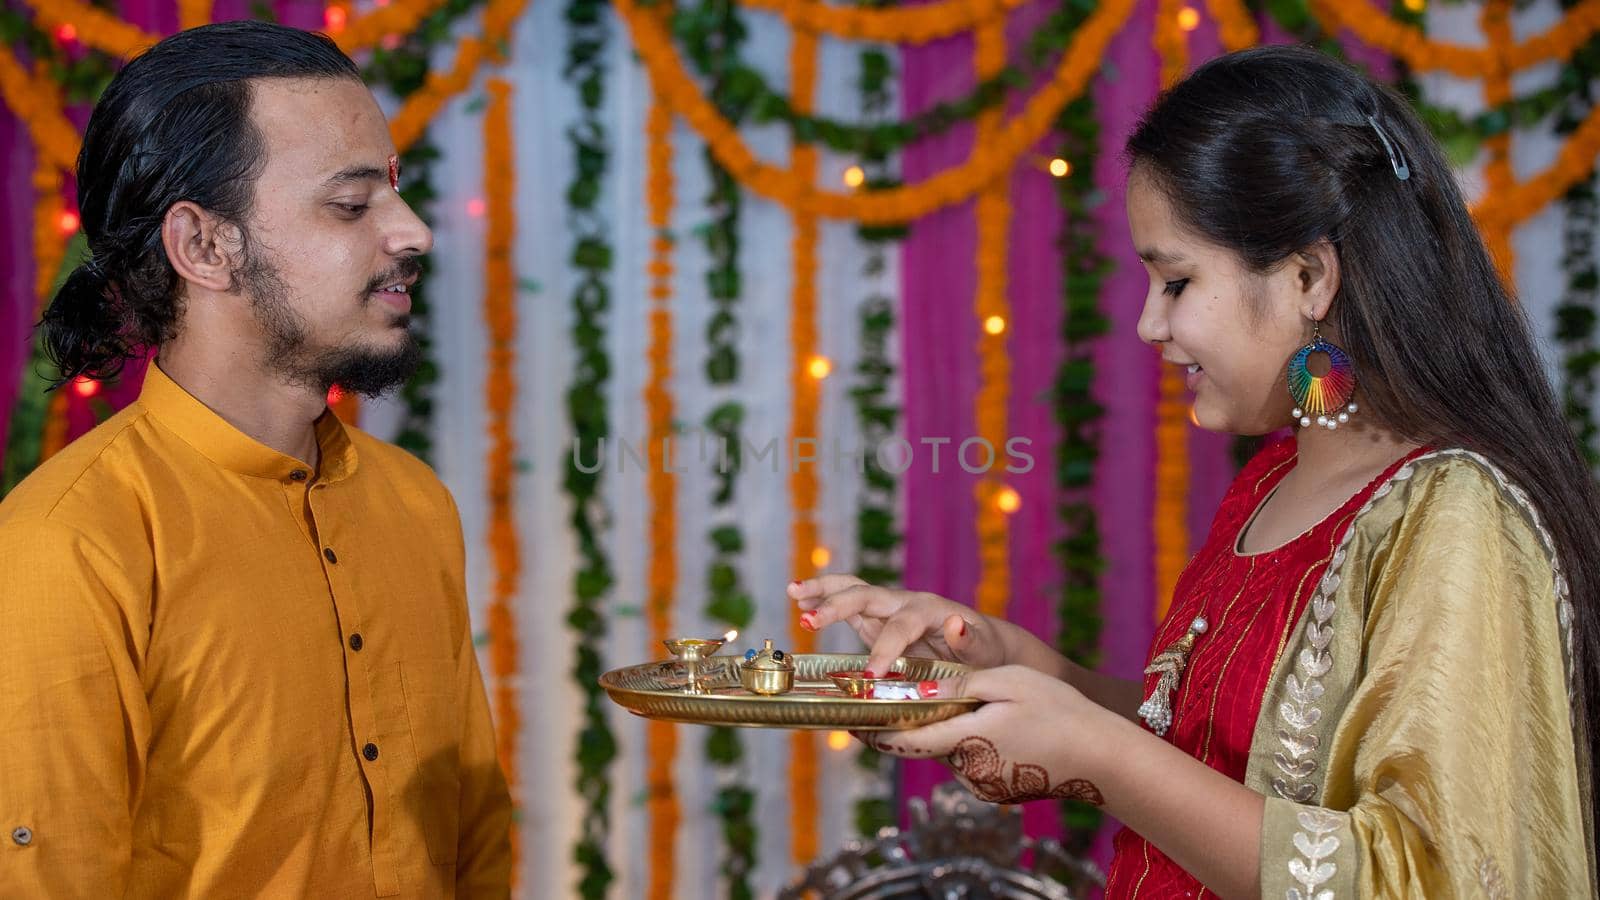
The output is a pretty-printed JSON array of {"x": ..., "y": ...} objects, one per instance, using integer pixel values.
[
  {"x": 714, "y": 32},
  {"x": 747, "y": 96},
  {"x": 1084, "y": 269},
  {"x": 588, "y": 34},
  {"x": 402, "y": 70}
]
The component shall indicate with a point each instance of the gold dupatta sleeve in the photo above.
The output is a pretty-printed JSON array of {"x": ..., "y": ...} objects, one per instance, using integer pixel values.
[{"x": 1417, "y": 738}]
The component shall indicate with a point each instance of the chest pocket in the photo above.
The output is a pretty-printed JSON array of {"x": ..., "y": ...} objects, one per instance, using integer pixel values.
[{"x": 433, "y": 712}]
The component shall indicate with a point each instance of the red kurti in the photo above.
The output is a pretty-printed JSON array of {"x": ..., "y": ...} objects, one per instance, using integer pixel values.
[{"x": 1251, "y": 604}]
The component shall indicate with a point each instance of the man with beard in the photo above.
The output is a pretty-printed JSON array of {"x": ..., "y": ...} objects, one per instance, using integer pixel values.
[{"x": 234, "y": 650}]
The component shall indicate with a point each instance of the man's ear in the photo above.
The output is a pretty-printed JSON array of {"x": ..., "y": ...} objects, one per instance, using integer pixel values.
[{"x": 203, "y": 249}]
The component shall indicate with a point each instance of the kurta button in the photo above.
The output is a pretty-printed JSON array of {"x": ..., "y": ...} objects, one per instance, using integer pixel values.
[
  {"x": 298, "y": 475},
  {"x": 329, "y": 555},
  {"x": 23, "y": 835},
  {"x": 356, "y": 642},
  {"x": 370, "y": 751}
]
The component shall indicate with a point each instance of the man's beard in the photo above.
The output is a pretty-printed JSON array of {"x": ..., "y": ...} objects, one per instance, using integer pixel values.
[{"x": 369, "y": 371}]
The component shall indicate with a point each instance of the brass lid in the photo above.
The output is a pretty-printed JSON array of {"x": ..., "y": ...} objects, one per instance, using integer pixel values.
[{"x": 768, "y": 659}]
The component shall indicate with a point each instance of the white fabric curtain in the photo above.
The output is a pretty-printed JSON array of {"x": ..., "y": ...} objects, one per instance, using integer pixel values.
[{"x": 545, "y": 104}]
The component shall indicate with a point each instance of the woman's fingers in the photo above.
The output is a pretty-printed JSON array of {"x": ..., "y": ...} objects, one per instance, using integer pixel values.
[
  {"x": 973, "y": 641},
  {"x": 815, "y": 589},
  {"x": 940, "y": 738},
  {"x": 898, "y": 633},
  {"x": 968, "y": 640},
  {"x": 889, "y": 621},
  {"x": 859, "y": 599}
]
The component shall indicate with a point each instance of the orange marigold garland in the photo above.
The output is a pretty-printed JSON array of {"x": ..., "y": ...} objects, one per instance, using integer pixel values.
[
  {"x": 803, "y": 480},
  {"x": 1574, "y": 162},
  {"x": 95, "y": 27},
  {"x": 1172, "y": 407},
  {"x": 36, "y": 103},
  {"x": 1081, "y": 60},
  {"x": 1235, "y": 25},
  {"x": 917, "y": 24},
  {"x": 1377, "y": 28},
  {"x": 1171, "y": 42},
  {"x": 661, "y": 737},
  {"x": 398, "y": 17},
  {"x": 1495, "y": 20},
  {"x": 437, "y": 89},
  {"x": 994, "y": 365},
  {"x": 49, "y": 243},
  {"x": 193, "y": 13},
  {"x": 49, "y": 248},
  {"x": 500, "y": 389}
]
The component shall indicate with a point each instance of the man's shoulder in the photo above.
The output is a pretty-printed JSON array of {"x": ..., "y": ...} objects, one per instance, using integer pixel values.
[
  {"x": 82, "y": 499},
  {"x": 76, "y": 485}
]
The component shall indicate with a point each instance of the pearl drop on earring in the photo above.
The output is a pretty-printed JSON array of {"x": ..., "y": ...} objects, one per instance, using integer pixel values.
[
  {"x": 1322, "y": 420},
  {"x": 1297, "y": 412},
  {"x": 1351, "y": 407},
  {"x": 1343, "y": 418},
  {"x": 1305, "y": 422}
]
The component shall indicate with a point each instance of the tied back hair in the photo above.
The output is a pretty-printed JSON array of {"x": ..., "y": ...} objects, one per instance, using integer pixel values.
[
  {"x": 1267, "y": 151},
  {"x": 173, "y": 125}
]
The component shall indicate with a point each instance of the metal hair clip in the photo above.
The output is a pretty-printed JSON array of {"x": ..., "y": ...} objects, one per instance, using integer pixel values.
[{"x": 1396, "y": 158}]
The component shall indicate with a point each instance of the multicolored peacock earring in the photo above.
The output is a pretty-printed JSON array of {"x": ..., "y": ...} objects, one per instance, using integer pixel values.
[{"x": 1319, "y": 398}]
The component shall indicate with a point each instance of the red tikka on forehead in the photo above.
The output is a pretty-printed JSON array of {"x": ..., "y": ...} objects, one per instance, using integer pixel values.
[{"x": 394, "y": 173}]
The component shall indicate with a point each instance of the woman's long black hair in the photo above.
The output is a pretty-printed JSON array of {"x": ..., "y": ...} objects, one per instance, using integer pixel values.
[
  {"x": 173, "y": 125},
  {"x": 1267, "y": 151}
]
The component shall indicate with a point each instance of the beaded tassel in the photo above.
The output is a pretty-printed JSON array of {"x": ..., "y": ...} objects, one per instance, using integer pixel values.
[{"x": 1156, "y": 710}]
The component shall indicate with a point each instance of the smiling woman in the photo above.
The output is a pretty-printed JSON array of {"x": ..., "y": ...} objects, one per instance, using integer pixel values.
[
  {"x": 1307, "y": 234},
  {"x": 1394, "y": 611}
]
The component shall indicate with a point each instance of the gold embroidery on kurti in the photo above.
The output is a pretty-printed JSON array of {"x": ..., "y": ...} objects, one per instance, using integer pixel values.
[
  {"x": 1490, "y": 878},
  {"x": 1316, "y": 843},
  {"x": 1305, "y": 718},
  {"x": 1301, "y": 712}
]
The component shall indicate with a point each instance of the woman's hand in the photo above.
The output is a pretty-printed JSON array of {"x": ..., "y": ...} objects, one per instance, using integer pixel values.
[
  {"x": 1037, "y": 737},
  {"x": 1034, "y": 737},
  {"x": 896, "y": 622}
]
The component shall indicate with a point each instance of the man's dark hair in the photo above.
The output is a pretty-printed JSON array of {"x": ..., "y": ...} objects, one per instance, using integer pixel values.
[{"x": 174, "y": 125}]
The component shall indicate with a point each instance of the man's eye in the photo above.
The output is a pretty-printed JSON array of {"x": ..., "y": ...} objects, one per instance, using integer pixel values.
[
  {"x": 351, "y": 209},
  {"x": 1174, "y": 288}
]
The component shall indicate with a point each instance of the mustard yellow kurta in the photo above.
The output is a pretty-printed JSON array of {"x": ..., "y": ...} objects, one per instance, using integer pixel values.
[
  {"x": 1418, "y": 739},
  {"x": 222, "y": 675}
]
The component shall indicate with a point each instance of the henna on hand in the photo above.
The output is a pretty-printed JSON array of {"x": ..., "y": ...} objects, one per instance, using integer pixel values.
[
  {"x": 977, "y": 761},
  {"x": 874, "y": 740}
]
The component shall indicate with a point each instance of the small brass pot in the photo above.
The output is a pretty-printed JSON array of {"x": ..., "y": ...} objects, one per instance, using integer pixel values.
[{"x": 767, "y": 671}]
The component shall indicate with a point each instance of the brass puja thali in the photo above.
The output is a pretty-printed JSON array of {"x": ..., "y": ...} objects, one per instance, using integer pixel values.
[{"x": 768, "y": 688}]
